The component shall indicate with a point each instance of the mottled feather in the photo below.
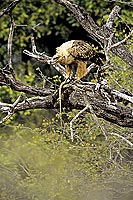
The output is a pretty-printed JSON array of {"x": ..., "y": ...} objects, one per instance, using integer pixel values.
[{"x": 74, "y": 52}]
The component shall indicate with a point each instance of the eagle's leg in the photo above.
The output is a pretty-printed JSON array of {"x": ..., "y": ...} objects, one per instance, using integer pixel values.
[
  {"x": 68, "y": 70},
  {"x": 81, "y": 70}
]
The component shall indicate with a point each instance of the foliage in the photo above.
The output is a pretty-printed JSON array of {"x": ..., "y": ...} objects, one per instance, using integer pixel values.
[{"x": 36, "y": 164}]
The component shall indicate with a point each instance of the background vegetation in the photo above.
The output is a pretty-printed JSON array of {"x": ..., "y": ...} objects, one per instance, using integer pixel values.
[{"x": 37, "y": 160}]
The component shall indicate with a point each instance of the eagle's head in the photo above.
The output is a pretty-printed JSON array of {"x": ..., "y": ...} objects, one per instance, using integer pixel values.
[{"x": 63, "y": 54}]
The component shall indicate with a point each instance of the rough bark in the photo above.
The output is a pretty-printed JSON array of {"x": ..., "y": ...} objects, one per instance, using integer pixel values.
[{"x": 104, "y": 100}]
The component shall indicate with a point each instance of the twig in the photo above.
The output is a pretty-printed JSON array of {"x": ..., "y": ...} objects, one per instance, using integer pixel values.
[
  {"x": 7, "y": 105},
  {"x": 34, "y": 27},
  {"x": 89, "y": 68},
  {"x": 42, "y": 57},
  {"x": 112, "y": 15},
  {"x": 17, "y": 100},
  {"x": 60, "y": 102},
  {"x": 74, "y": 118},
  {"x": 6, "y": 117},
  {"x": 94, "y": 116},
  {"x": 112, "y": 78},
  {"x": 10, "y": 39},
  {"x": 97, "y": 120},
  {"x": 122, "y": 41},
  {"x": 9, "y": 8},
  {"x": 33, "y": 45},
  {"x": 10, "y": 109},
  {"x": 109, "y": 25},
  {"x": 123, "y": 138},
  {"x": 107, "y": 47}
]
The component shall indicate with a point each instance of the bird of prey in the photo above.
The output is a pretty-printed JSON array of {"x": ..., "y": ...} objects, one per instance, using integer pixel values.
[{"x": 74, "y": 54}]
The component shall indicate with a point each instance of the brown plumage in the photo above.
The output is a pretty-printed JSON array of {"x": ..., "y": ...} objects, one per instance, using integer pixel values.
[{"x": 74, "y": 53}]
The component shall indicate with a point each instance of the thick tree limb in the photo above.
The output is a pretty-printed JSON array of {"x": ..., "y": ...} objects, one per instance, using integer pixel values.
[
  {"x": 73, "y": 98},
  {"x": 14, "y": 84},
  {"x": 99, "y": 33}
]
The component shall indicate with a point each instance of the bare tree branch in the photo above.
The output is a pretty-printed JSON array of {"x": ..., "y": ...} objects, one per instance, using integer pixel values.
[
  {"x": 9, "y": 8},
  {"x": 10, "y": 110},
  {"x": 14, "y": 84},
  {"x": 42, "y": 57},
  {"x": 74, "y": 118},
  {"x": 111, "y": 18},
  {"x": 122, "y": 137},
  {"x": 122, "y": 41},
  {"x": 10, "y": 40},
  {"x": 72, "y": 98}
]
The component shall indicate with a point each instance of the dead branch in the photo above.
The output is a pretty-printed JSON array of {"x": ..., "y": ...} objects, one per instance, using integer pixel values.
[
  {"x": 73, "y": 98},
  {"x": 122, "y": 137},
  {"x": 9, "y": 110},
  {"x": 122, "y": 41},
  {"x": 42, "y": 57},
  {"x": 74, "y": 118},
  {"x": 112, "y": 15},
  {"x": 9, "y": 8},
  {"x": 10, "y": 40},
  {"x": 17, "y": 85}
]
